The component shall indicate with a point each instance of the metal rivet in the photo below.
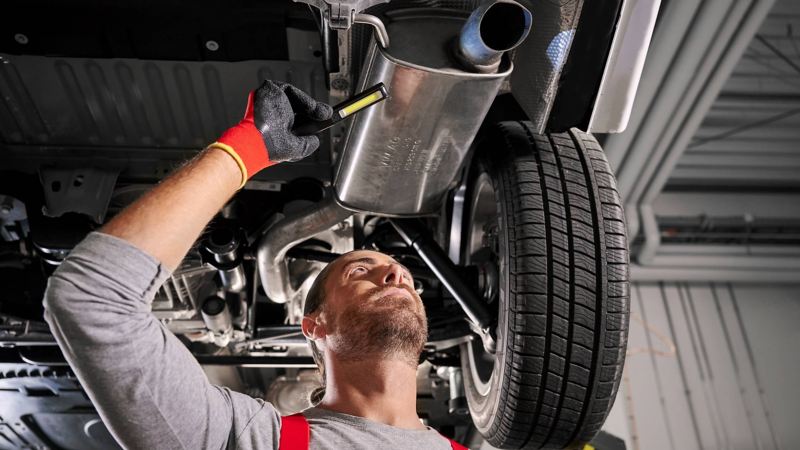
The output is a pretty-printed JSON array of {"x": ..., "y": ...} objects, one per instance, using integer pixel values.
[
  {"x": 340, "y": 84},
  {"x": 212, "y": 45},
  {"x": 21, "y": 38}
]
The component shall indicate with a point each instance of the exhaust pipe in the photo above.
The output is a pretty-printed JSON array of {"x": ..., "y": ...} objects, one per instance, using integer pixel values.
[
  {"x": 402, "y": 156},
  {"x": 491, "y": 30},
  {"x": 273, "y": 269}
]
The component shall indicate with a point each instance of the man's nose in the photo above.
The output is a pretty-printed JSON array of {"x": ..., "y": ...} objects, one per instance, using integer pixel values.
[{"x": 394, "y": 275}]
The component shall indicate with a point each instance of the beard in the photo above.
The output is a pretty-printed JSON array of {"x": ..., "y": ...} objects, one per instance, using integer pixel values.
[{"x": 382, "y": 326}]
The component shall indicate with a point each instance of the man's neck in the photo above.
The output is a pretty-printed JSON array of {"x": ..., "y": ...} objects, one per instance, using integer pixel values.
[{"x": 383, "y": 391}]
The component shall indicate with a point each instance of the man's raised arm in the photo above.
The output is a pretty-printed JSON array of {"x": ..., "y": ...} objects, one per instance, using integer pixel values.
[{"x": 148, "y": 388}]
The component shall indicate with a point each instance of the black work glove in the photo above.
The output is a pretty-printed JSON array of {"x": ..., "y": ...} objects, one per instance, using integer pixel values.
[{"x": 264, "y": 137}]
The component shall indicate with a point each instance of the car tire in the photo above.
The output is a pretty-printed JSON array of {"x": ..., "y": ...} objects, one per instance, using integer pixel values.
[{"x": 544, "y": 210}]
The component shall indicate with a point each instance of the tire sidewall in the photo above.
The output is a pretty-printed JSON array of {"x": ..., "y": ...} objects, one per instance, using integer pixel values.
[{"x": 484, "y": 409}]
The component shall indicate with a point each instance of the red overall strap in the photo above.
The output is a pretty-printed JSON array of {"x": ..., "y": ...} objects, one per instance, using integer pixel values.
[
  {"x": 294, "y": 432},
  {"x": 456, "y": 446}
]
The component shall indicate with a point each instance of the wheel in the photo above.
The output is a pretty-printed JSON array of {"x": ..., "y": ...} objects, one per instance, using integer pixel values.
[{"x": 544, "y": 216}]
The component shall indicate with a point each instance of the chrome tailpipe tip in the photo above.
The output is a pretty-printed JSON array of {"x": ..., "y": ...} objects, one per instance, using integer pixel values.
[{"x": 491, "y": 30}]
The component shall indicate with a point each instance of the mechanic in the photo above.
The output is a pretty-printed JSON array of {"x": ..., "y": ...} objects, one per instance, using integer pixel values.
[{"x": 363, "y": 318}]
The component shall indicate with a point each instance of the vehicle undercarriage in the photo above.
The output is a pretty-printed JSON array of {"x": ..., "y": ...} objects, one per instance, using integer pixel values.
[{"x": 475, "y": 174}]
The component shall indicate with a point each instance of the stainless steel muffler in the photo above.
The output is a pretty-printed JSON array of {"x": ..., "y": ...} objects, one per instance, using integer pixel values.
[{"x": 443, "y": 72}]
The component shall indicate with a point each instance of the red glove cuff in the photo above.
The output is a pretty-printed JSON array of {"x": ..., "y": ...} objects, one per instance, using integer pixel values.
[{"x": 243, "y": 142}]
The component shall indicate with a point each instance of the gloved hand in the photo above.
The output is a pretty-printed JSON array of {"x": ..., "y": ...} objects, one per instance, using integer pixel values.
[{"x": 264, "y": 137}]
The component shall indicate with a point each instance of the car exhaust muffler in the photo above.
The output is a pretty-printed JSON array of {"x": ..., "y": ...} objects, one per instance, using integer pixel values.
[{"x": 442, "y": 71}]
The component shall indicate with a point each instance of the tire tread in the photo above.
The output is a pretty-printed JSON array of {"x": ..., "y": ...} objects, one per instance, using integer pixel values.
[{"x": 568, "y": 288}]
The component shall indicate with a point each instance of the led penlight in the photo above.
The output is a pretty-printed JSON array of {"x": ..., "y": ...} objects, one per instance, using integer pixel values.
[
  {"x": 358, "y": 105},
  {"x": 371, "y": 96}
]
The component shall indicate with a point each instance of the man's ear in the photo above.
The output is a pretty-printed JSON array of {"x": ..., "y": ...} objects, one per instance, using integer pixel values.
[{"x": 312, "y": 327}]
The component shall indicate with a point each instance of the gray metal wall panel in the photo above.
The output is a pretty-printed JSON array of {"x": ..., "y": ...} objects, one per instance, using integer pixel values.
[
  {"x": 712, "y": 365},
  {"x": 746, "y": 378},
  {"x": 655, "y": 315},
  {"x": 645, "y": 392},
  {"x": 682, "y": 336},
  {"x": 770, "y": 318},
  {"x": 736, "y": 424}
]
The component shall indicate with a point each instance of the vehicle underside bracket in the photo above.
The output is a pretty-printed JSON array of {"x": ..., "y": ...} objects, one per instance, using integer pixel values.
[{"x": 340, "y": 14}]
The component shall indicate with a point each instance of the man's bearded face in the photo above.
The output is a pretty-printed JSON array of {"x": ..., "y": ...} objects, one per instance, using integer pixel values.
[{"x": 372, "y": 310}]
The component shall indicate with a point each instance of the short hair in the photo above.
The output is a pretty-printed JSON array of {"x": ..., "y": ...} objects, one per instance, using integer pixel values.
[
  {"x": 316, "y": 294},
  {"x": 314, "y": 302}
]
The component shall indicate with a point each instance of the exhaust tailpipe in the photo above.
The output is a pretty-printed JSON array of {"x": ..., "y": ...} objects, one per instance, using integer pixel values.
[{"x": 491, "y": 30}]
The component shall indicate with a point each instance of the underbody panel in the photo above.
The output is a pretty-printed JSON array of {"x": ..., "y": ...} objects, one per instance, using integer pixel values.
[{"x": 139, "y": 118}]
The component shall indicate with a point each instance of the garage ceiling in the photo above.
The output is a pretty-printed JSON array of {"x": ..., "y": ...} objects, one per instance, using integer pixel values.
[
  {"x": 750, "y": 139},
  {"x": 709, "y": 166}
]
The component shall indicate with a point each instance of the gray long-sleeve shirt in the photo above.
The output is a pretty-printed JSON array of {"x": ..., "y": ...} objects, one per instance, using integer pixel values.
[{"x": 148, "y": 388}]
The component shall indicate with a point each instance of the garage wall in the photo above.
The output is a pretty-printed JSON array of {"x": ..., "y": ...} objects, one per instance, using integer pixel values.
[{"x": 711, "y": 365}]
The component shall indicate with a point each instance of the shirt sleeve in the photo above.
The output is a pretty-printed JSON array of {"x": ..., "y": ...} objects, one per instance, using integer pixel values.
[{"x": 148, "y": 388}]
